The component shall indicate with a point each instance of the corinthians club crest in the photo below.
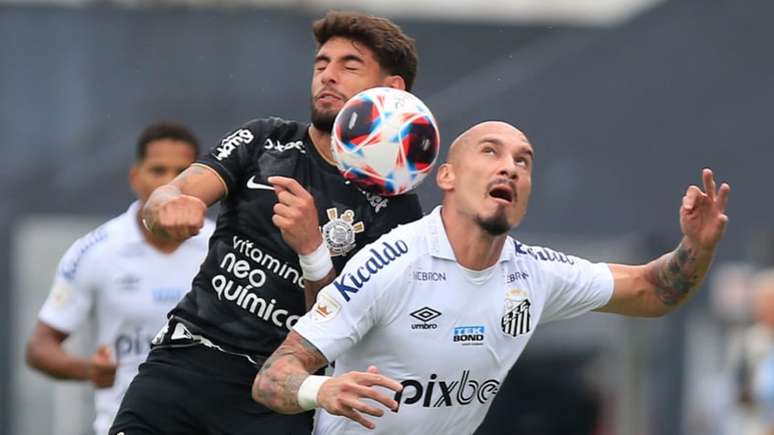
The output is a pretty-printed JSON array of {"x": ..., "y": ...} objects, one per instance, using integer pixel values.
[
  {"x": 339, "y": 232},
  {"x": 516, "y": 318}
]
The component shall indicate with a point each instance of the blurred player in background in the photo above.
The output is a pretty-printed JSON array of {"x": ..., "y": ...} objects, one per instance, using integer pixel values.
[
  {"x": 287, "y": 219},
  {"x": 751, "y": 354},
  {"x": 436, "y": 312},
  {"x": 126, "y": 277}
]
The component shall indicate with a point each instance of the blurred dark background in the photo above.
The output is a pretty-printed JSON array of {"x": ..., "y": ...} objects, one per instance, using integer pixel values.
[{"x": 622, "y": 116}]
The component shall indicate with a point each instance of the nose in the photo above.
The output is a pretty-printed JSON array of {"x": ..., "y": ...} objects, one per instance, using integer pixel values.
[
  {"x": 329, "y": 75},
  {"x": 509, "y": 170}
]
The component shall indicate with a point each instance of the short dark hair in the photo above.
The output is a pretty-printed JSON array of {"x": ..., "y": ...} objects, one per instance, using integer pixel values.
[
  {"x": 165, "y": 130},
  {"x": 395, "y": 51}
]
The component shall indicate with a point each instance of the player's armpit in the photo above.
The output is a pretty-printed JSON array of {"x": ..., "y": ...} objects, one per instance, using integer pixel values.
[{"x": 276, "y": 384}]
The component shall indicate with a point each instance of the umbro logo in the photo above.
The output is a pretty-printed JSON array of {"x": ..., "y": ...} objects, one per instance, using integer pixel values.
[
  {"x": 252, "y": 184},
  {"x": 425, "y": 315}
]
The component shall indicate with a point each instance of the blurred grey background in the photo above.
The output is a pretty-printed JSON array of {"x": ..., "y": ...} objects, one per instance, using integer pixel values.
[{"x": 624, "y": 101}]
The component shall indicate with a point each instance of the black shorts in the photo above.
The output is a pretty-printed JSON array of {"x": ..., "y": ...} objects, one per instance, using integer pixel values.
[{"x": 199, "y": 391}]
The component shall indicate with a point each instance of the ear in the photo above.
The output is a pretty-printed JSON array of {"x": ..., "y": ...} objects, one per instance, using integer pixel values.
[
  {"x": 134, "y": 178},
  {"x": 396, "y": 82},
  {"x": 444, "y": 178}
]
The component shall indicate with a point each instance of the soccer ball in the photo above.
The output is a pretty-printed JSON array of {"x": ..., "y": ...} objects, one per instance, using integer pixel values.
[{"x": 385, "y": 140}]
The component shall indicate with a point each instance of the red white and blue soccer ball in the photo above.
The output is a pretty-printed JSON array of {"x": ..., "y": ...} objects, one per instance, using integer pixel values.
[{"x": 385, "y": 140}]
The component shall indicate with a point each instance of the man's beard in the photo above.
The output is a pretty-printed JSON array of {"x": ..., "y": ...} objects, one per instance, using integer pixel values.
[
  {"x": 322, "y": 121},
  {"x": 495, "y": 225}
]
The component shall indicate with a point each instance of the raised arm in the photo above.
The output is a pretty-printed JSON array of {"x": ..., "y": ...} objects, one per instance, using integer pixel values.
[
  {"x": 176, "y": 211},
  {"x": 287, "y": 372},
  {"x": 658, "y": 287}
]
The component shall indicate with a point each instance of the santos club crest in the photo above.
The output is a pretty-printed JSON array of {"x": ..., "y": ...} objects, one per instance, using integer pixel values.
[
  {"x": 516, "y": 318},
  {"x": 339, "y": 232}
]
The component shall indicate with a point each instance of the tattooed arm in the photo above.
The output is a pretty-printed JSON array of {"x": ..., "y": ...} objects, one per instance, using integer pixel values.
[
  {"x": 176, "y": 211},
  {"x": 658, "y": 287},
  {"x": 277, "y": 383}
]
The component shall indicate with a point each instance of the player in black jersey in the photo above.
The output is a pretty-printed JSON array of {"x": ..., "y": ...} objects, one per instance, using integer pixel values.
[{"x": 289, "y": 220}]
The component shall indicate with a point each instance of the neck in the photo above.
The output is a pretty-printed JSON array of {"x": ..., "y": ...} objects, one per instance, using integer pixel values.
[
  {"x": 162, "y": 245},
  {"x": 322, "y": 143},
  {"x": 473, "y": 247}
]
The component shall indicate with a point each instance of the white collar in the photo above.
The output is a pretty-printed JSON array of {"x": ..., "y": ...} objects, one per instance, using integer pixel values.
[{"x": 440, "y": 247}]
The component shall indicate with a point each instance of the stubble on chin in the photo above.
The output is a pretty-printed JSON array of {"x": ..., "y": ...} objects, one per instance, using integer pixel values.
[
  {"x": 495, "y": 225},
  {"x": 322, "y": 120}
]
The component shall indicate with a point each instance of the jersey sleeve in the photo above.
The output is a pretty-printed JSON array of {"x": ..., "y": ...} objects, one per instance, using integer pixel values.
[
  {"x": 357, "y": 300},
  {"x": 71, "y": 297},
  {"x": 575, "y": 287},
  {"x": 237, "y": 150}
]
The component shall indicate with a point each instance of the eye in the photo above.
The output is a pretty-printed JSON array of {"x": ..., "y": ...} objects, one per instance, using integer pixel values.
[
  {"x": 489, "y": 150},
  {"x": 157, "y": 171},
  {"x": 522, "y": 161}
]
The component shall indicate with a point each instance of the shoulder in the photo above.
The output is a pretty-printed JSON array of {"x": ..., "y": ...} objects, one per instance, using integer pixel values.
[
  {"x": 397, "y": 248},
  {"x": 541, "y": 255},
  {"x": 274, "y": 126},
  {"x": 93, "y": 247}
]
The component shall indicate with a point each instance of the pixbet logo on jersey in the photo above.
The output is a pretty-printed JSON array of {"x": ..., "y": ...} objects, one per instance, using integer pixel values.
[
  {"x": 437, "y": 393},
  {"x": 132, "y": 343},
  {"x": 469, "y": 335}
]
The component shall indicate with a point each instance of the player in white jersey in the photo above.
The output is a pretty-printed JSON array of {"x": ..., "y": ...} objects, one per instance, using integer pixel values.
[
  {"x": 428, "y": 320},
  {"x": 127, "y": 279}
]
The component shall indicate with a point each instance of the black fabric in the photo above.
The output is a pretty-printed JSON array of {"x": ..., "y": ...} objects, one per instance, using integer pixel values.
[
  {"x": 249, "y": 290},
  {"x": 199, "y": 391}
]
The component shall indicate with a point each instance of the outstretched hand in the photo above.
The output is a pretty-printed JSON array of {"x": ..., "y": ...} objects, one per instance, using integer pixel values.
[
  {"x": 703, "y": 213},
  {"x": 342, "y": 395}
]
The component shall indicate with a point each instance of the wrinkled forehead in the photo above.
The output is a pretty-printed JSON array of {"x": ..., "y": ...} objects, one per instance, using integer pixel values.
[{"x": 499, "y": 134}]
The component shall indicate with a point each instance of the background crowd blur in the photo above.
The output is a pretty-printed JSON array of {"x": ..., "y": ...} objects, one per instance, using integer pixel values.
[{"x": 625, "y": 101}]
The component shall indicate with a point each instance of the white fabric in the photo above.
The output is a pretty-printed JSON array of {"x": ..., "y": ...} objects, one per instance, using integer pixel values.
[
  {"x": 404, "y": 305},
  {"x": 129, "y": 287},
  {"x": 308, "y": 391}
]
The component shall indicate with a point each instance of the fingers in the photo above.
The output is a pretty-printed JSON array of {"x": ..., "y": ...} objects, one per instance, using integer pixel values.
[
  {"x": 709, "y": 183},
  {"x": 180, "y": 218},
  {"x": 370, "y": 379},
  {"x": 104, "y": 353},
  {"x": 377, "y": 396},
  {"x": 355, "y": 416},
  {"x": 692, "y": 196},
  {"x": 722, "y": 199},
  {"x": 362, "y": 407},
  {"x": 289, "y": 184}
]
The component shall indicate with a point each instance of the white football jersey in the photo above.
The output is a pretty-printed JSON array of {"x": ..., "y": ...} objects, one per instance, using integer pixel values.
[
  {"x": 448, "y": 334},
  {"x": 129, "y": 286}
]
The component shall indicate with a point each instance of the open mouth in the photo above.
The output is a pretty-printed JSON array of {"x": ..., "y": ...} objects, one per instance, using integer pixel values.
[{"x": 502, "y": 192}]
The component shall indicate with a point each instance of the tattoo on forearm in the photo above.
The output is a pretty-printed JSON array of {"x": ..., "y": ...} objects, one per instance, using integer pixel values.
[
  {"x": 278, "y": 381},
  {"x": 678, "y": 273}
]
